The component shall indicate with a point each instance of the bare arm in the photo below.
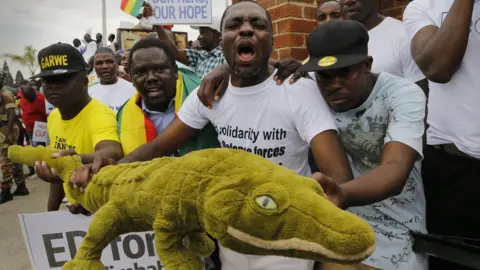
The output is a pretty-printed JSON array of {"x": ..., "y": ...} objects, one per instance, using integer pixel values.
[
  {"x": 384, "y": 181},
  {"x": 330, "y": 156},
  {"x": 439, "y": 51},
  {"x": 179, "y": 55},
  {"x": 12, "y": 119},
  {"x": 105, "y": 149},
  {"x": 166, "y": 143}
]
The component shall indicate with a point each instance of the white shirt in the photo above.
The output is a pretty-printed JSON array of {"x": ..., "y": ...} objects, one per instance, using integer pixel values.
[
  {"x": 453, "y": 108},
  {"x": 90, "y": 50},
  {"x": 389, "y": 46},
  {"x": 276, "y": 122},
  {"x": 113, "y": 95},
  {"x": 394, "y": 111}
]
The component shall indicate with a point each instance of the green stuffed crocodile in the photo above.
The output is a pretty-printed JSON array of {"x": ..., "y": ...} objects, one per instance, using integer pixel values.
[{"x": 249, "y": 204}]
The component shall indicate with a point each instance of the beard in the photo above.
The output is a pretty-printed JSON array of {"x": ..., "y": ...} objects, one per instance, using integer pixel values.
[
  {"x": 246, "y": 72},
  {"x": 251, "y": 71}
]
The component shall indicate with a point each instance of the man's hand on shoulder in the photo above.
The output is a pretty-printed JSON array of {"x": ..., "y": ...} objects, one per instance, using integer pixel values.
[
  {"x": 287, "y": 67},
  {"x": 215, "y": 83}
]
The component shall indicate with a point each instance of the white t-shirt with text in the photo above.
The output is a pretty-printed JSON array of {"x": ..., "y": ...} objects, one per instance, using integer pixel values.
[
  {"x": 276, "y": 122},
  {"x": 389, "y": 46},
  {"x": 453, "y": 107},
  {"x": 113, "y": 95}
]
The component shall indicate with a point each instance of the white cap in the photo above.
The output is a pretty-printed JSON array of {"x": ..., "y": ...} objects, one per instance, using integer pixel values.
[{"x": 214, "y": 25}]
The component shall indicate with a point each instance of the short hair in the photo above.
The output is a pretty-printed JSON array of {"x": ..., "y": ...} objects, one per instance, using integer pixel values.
[
  {"x": 104, "y": 50},
  {"x": 250, "y": 1},
  {"x": 151, "y": 43},
  {"x": 111, "y": 36},
  {"x": 76, "y": 42}
]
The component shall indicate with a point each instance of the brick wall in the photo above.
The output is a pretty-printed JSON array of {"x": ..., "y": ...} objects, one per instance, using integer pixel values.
[{"x": 293, "y": 20}]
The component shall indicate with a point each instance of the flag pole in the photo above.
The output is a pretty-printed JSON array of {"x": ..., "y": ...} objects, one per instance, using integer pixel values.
[{"x": 104, "y": 19}]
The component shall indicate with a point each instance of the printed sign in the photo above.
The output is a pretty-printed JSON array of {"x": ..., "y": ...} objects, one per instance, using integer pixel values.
[
  {"x": 40, "y": 132},
  {"x": 128, "y": 38},
  {"x": 181, "y": 12},
  {"x": 53, "y": 238}
]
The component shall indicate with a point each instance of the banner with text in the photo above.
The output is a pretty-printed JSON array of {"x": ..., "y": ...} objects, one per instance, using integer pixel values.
[
  {"x": 53, "y": 238},
  {"x": 40, "y": 132},
  {"x": 181, "y": 12}
]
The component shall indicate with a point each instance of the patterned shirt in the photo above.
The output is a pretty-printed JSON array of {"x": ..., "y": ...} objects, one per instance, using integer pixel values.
[
  {"x": 394, "y": 111},
  {"x": 203, "y": 61}
]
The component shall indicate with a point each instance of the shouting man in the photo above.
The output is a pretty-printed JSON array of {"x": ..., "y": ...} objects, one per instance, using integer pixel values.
[{"x": 278, "y": 122}]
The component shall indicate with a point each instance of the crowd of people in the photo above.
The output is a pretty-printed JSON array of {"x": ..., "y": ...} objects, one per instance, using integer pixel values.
[{"x": 354, "y": 114}]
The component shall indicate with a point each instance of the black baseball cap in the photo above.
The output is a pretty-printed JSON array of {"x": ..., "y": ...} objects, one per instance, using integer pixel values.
[
  {"x": 60, "y": 59},
  {"x": 336, "y": 44}
]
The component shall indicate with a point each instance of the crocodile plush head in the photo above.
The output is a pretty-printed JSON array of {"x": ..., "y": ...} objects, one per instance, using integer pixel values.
[{"x": 272, "y": 211}]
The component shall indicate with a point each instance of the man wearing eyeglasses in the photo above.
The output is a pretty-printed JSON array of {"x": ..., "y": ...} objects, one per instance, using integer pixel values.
[{"x": 380, "y": 121}]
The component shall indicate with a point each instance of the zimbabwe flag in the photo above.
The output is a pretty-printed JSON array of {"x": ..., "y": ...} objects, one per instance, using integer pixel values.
[{"x": 131, "y": 7}]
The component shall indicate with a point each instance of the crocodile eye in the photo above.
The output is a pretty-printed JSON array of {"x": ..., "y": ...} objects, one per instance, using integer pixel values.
[{"x": 266, "y": 202}]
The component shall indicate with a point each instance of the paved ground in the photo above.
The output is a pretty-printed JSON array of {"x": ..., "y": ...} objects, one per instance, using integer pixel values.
[{"x": 13, "y": 254}]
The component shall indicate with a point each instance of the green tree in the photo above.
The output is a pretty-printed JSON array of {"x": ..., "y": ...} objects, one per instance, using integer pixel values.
[
  {"x": 8, "y": 76},
  {"x": 19, "y": 78},
  {"x": 28, "y": 59}
]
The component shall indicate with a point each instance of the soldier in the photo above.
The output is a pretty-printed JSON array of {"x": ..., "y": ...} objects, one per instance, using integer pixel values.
[{"x": 9, "y": 133}]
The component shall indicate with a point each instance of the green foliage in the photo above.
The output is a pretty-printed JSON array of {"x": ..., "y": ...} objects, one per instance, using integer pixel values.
[
  {"x": 19, "y": 78},
  {"x": 8, "y": 81},
  {"x": 28, "y": 59}
]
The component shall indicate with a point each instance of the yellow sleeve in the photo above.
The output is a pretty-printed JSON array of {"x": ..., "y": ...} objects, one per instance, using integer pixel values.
[{"x": 103, "y": 126}]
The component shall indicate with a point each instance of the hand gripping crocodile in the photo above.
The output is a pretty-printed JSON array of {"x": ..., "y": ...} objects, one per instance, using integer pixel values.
[{"x": 247, "y": 203}]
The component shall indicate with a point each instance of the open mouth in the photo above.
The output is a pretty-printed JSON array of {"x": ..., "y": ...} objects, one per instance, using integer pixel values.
[
  {"x": 300, "y": 245},
  {"x": 154, "y": 91},
  {"x": 245, "y": 52}
]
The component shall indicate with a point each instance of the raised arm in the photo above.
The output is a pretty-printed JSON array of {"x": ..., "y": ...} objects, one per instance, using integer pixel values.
[
  {"x": 439, "y": 51},
  {"x": 163, "y": 35}
]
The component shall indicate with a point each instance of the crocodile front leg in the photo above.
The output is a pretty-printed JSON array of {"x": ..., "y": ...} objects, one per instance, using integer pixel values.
[
  {"x": 201, "y": 244},
  {"x": 173, "y": 254},
  {"x": 108, "y": 222}
]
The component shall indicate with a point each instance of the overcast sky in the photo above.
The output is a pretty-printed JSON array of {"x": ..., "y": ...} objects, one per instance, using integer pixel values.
[{"x": 43, "y": 22}]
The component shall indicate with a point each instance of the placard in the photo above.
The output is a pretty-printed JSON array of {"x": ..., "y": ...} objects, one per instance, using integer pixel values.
[
  {"x": 181, "y": 12},
  {"x": 53, "y": 238},
  {"x": 128, "y": 37},
  {"x": 40, "y": 132}
]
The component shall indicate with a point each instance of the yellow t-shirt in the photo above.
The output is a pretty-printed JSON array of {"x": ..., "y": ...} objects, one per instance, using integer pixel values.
[{"x": 95, "y": 123}]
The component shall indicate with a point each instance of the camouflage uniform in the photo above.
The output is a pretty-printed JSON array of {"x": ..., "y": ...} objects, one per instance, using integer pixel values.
[{"x": 6, "y": 165}]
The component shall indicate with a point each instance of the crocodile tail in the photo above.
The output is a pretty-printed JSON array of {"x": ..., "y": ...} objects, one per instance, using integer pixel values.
[{"x": 64, "y": 166}]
